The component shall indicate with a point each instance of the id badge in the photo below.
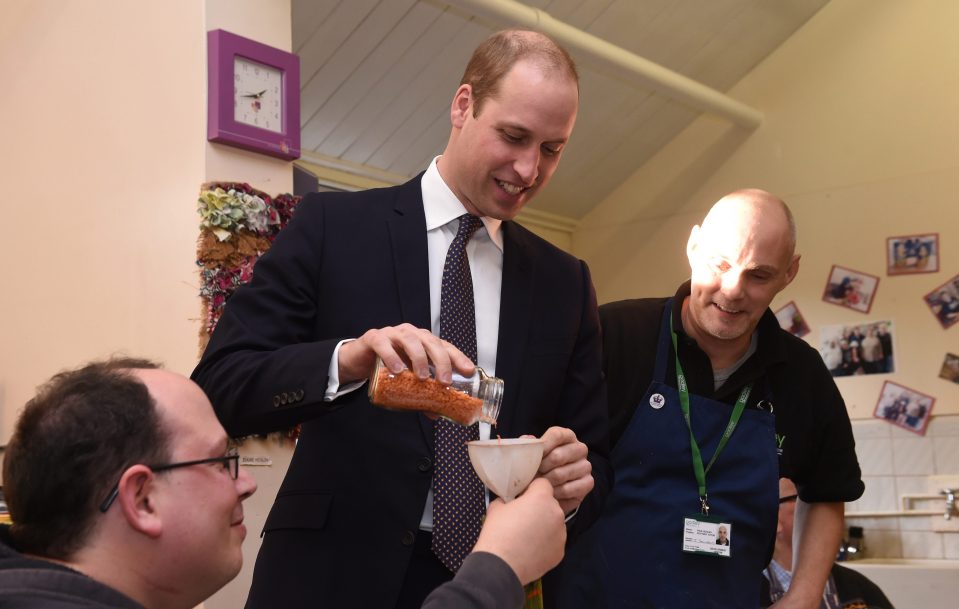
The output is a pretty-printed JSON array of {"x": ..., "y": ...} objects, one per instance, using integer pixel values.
[{"x": 707, "y": 535}]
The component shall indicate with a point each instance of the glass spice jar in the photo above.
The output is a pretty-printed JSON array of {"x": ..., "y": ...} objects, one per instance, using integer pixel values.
[{"x": 464, "y": 401}]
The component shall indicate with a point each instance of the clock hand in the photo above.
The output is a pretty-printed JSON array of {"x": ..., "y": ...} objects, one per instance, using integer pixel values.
[{"x": 255, "y": 95}]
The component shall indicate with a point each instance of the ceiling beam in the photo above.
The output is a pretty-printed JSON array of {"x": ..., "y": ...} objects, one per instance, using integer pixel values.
[{"x": 636, "y": 69}]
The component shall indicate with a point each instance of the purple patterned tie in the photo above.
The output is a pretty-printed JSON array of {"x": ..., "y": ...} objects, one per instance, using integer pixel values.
[{"x": 458, "y": 497}]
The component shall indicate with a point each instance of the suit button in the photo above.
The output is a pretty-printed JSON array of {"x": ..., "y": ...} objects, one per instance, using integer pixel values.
[
  {"x": 409, "y": 537},
  {"x": 284, "y": 398},
  {"x": 276, "y": 401},
  {"x": 424, "y": 464},
  {"x": 299, "y": 395}
]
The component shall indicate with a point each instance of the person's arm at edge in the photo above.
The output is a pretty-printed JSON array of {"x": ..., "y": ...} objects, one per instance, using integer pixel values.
[
  {"x": 817, "y": 532},
  {"x": 520, "y": 541},
  {"x": 484, "y": 581}
]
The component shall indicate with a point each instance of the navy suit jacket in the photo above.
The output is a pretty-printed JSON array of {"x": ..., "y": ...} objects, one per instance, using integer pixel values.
[{"x": 341, "y": 528}]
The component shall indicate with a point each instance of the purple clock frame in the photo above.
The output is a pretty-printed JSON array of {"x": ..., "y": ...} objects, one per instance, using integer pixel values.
[{"x": 222, "y": 48}]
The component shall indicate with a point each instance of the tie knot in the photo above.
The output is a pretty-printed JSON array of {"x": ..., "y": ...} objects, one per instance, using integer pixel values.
[{"x": 468, "y": 226}]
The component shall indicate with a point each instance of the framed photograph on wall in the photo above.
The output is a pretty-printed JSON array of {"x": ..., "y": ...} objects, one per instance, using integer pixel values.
[
  {"x": 851, "y": 289},
  {"x": 912, "y": 254},
  {"x": 904, "y": 407},
  {"x": 858, "y": 349},
  {"x": 792, "y": 320},
  {"x": 944, "y": 302},
  {"x": 950, "y": 368}
]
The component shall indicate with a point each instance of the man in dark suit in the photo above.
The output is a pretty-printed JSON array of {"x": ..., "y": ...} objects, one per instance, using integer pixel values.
[
  {"x": 360, "y": 275},
  {"x": 111, "y": 531}
]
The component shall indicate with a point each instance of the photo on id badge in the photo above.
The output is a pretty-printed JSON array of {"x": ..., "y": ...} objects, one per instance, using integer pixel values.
[{"x": 705, "y": 535}]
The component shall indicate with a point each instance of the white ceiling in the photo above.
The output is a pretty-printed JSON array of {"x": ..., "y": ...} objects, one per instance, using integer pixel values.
[{"x": 377, "y": 77}]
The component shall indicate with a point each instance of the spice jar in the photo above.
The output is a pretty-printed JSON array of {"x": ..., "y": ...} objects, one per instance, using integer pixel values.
[{"x": 464, "y": 401}]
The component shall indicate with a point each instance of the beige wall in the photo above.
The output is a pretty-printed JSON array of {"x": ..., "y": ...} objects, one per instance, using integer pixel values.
[
  {"x": 104, "y": 152},
  {"x": 861, "y": 137},
  {"x": 104, "y": 123},
  {"x": 104, "y": 142}
]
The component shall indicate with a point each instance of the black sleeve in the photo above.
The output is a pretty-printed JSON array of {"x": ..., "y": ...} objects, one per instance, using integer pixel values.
[
  {"x": 830, "y": 471},
  {"x": 263, "y": 370},
  {"x": 630, "y": 330},
  {"x": 484, "y": 581}
]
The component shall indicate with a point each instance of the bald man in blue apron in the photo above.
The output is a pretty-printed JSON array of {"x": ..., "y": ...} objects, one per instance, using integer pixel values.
[{"x": 710, "y": 403}]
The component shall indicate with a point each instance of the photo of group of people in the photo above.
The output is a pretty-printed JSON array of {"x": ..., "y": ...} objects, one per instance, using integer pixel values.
[
  {"x": 867, "y": 348},
  {"x": 944, "y": 302},
  {"x": 912, "y": 254},
  {"x": 860, "y": 349},
  {"x": 904, "y": 407},
  {"x": 849, "y": 288}
]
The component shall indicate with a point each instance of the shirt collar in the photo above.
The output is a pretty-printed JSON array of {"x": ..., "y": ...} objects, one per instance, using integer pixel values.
[{"x": 442, "y": 207}]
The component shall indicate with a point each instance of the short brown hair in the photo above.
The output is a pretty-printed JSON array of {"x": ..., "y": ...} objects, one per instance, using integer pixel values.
[
  {"x": 70, "y": 445},
  {"x": 494, "y": 58}
]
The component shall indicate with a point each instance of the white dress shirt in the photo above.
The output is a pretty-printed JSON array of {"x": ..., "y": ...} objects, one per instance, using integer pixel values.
[{"x": 485, "y": 253}]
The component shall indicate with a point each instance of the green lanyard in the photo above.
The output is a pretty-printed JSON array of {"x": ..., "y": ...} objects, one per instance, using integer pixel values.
[{"x": 698, "y": 468}]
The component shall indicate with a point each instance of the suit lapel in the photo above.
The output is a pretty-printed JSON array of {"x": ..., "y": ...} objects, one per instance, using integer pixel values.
[
  {"x": 516, "y": 300},
  {"x": 407, "y": 229}
]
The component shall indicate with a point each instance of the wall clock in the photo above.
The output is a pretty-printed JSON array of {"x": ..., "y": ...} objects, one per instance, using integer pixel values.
[{"x": 254, "y": 95}]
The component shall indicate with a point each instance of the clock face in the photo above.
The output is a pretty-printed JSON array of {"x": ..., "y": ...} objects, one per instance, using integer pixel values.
[{"x": 257, "y": 95}]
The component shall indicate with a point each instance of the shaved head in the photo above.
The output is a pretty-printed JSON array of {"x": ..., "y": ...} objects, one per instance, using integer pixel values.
[
  {"x": 741, "y": 256},
  {"x": 754, "y": 205}
]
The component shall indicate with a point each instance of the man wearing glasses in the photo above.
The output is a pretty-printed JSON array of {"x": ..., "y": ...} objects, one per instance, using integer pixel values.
[
  {"x": 119, "y": 477},
  {"x": 125, "y": 495},
  {"x": 845, "y": 588}
]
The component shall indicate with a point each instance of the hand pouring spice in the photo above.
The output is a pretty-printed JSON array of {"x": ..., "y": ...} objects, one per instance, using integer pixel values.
[{"x": 465, "y": 401}]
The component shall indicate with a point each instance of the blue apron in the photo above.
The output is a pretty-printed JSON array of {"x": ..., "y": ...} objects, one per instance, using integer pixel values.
[{"x": 633, "y": 557}]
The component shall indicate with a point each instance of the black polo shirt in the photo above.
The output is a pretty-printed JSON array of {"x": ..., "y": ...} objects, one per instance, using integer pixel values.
[{"x": 817, "y": 450}]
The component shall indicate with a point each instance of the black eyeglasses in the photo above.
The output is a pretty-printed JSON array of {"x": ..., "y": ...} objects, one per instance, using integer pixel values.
[
  {"x": 230, "y": 462},
  {"x": 787, "y": 498}
]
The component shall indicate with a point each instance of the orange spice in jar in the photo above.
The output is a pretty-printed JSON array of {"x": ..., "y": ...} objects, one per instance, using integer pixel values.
[{"x": 464, "y": 401}]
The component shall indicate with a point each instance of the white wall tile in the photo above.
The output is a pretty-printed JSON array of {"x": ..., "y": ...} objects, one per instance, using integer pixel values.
[
  {"x": 950, "y": 545},
  {"x": 875, "y": 456},
  {"x": 863, "y": 430},
  {"x": 921, "y": 544},
  {"x": 946, "y": 454},
  {"x": 912, "y": 456},
  {"x": 875, "y": 524},
  {"x": 943, "y": 426},
  {"x": 900, "y": 432},
  {"x": 880, "y": 495},
  {"x": 915, "y": 485},
  {"x": 915, "y": 523}
]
